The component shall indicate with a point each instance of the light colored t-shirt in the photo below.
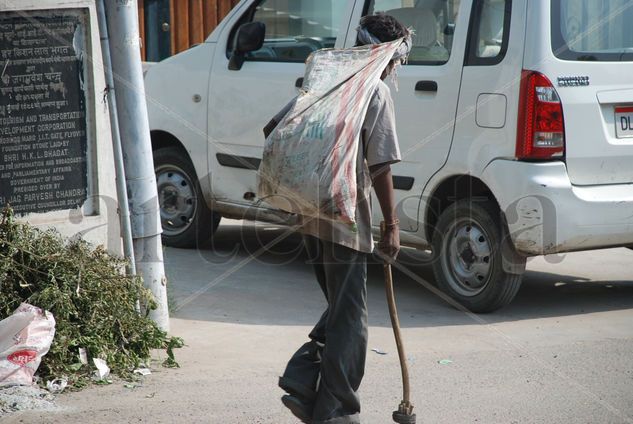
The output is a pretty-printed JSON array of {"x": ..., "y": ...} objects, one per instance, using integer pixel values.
[{"x": 380, "y": 146}]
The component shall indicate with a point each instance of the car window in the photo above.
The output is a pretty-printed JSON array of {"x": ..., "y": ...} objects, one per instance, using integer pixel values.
[
  {"x": 296, "y": 28},
  {"x": 593, "y": 30},
  {"x": 490, "y": 32},
  {"x": 433, "y": 23}
]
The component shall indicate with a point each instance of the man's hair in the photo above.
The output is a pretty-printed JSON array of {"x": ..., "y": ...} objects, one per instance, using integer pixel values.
[{"x": 384, "y": 27}]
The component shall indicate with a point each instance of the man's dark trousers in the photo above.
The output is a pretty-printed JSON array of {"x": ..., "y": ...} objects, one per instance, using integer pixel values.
[{"x": 326, "y": 372}]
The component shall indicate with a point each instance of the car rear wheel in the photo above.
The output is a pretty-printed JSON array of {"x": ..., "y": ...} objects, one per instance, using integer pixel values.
[
  {"x": 474, "y": 260},
  {"x": 185, "y": 217}
]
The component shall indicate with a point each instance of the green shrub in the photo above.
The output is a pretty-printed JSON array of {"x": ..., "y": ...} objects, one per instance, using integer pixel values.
[{"x": 94, "y": 303}]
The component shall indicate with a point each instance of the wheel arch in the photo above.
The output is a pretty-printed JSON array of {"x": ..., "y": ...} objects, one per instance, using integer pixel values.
[
  {"x": 161, "y": 139},
  {"x": 449, "y": 191}
]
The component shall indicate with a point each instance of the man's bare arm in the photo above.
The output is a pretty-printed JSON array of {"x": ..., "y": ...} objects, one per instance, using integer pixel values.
[{"x": 383, "y": 186}]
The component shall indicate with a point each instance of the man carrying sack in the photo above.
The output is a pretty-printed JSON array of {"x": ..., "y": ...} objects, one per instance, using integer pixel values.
[{"x": 323, "y": 376}]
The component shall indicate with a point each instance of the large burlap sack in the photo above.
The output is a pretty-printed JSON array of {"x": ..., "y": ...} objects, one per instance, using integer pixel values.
[
  {"x": 309, "y": 160},
  {"x": 25, "y": 338}
]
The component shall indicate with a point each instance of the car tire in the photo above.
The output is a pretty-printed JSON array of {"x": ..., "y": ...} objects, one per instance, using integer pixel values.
[
  {"x": 475, "y": 262},
  {"x": 186, "y": 219}
]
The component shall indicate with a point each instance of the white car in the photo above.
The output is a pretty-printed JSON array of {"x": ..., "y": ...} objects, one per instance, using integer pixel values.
[{"x": 515, "y": 120}]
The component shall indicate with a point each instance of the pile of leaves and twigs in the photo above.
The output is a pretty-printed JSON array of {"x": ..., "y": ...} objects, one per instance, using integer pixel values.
[{"x": 94, "y": 303}]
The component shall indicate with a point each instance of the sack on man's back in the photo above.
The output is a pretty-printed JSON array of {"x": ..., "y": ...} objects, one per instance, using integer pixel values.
[{"x": 310, "y": 158}]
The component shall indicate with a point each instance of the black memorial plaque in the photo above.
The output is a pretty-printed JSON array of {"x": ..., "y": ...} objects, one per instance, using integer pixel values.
[{"x": 43, "y": 141}]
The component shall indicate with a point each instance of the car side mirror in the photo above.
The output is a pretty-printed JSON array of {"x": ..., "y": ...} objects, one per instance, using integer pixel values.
[{"x": 249, "y": 37}]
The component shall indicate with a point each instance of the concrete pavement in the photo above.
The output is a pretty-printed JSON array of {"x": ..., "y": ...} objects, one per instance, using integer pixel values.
[{"x": 560, "y": 353}]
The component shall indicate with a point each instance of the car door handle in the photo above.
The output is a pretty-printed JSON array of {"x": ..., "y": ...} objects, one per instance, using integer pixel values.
[
  {"x": 428, "y": 86},
  {"x": 299, "y": 82}
]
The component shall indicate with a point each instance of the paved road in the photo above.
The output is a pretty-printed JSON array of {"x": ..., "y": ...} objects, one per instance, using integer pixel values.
[{"x": 560, "y": 353}]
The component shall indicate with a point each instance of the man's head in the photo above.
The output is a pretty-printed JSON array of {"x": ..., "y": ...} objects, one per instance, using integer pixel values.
[{"x": 384, "y": 27}]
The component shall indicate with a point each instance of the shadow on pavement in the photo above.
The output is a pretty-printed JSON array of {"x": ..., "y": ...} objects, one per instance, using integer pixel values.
[{"x": 235, "y": 278}]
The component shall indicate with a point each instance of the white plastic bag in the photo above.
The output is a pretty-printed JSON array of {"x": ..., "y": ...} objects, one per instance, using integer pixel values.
[
  {"x": 25, "y": 338},
  {"x": 309, "y": 160}
]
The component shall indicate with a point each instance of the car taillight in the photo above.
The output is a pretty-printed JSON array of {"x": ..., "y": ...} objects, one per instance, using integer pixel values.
[{"x": 541, "y": 129}]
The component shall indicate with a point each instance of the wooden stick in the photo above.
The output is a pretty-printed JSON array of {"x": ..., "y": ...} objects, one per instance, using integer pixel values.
[{"x": 405, "y": 406}]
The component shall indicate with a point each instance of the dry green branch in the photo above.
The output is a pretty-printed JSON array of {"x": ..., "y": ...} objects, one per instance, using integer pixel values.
[{"x": 90, "y": 298}]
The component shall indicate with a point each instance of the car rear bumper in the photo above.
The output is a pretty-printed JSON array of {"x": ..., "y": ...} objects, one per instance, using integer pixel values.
[{"x": 546, "y": 214}]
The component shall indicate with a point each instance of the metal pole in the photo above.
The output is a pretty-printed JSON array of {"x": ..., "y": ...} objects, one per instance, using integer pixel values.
[
  {"x": 121, "y": 190},
  {"x": 122, "y": 22}
]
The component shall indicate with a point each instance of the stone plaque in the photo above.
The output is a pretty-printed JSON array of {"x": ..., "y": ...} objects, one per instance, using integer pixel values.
[{"x": 43, "y": 120}]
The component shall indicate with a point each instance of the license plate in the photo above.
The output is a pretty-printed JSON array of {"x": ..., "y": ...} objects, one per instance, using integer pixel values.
[{"x": 624, "y": 122}]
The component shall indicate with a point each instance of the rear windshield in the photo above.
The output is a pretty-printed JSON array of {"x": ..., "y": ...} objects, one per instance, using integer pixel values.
[{"x": 593, "y": 30}]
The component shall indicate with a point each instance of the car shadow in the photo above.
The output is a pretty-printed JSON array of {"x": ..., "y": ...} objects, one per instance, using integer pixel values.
[{"x": 260, "y": 275}]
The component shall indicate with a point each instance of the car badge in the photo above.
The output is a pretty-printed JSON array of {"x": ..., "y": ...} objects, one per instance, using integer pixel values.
[{"x": 574, "y": 81}]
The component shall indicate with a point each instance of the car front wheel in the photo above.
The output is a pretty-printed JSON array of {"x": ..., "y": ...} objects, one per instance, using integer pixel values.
[
  {"x": 185, "y": 217},
  {"x": 474, "y": 259}
]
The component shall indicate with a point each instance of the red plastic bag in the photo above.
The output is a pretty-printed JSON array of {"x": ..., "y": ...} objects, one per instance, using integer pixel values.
[{"x": 25, "y": 337}]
